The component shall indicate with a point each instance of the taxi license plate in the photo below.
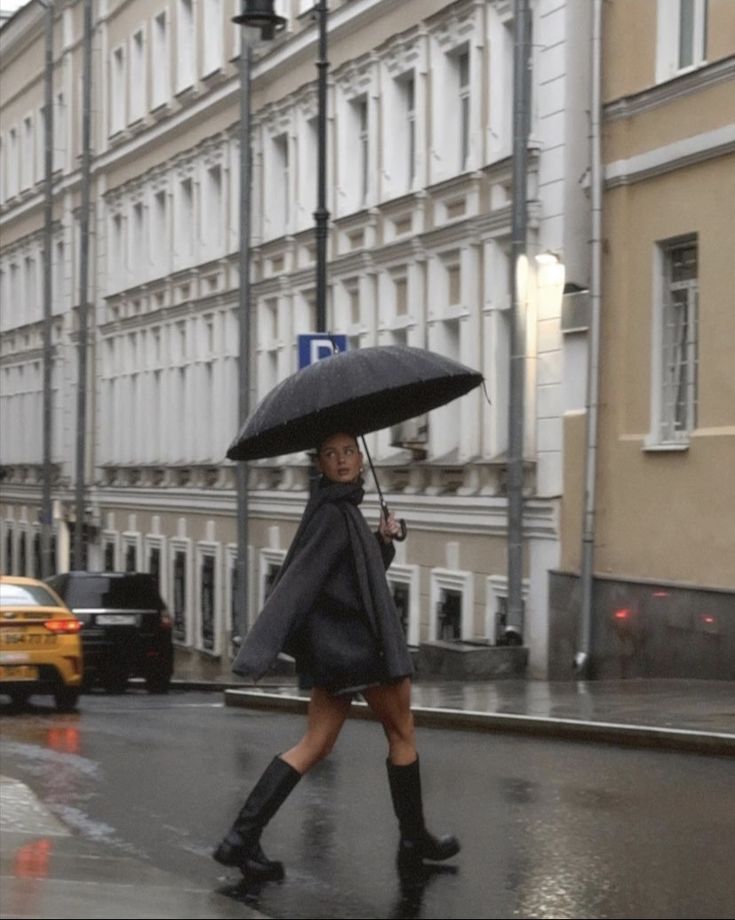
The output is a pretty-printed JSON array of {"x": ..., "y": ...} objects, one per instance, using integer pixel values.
[{"x": 18, "y": 672}]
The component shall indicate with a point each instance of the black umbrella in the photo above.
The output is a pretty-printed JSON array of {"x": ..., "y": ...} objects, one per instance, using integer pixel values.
[{"x": 356, "y": 391}]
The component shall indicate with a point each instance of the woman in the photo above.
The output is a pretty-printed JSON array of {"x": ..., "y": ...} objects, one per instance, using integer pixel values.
[{"x": 332, "y": 610}]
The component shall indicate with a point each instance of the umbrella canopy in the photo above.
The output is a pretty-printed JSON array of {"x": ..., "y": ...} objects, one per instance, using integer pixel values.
[{"x": 355, "y": 391}]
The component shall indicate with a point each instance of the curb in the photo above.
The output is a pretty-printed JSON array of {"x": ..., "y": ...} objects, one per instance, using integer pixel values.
[{"x": 648, "y": 736}]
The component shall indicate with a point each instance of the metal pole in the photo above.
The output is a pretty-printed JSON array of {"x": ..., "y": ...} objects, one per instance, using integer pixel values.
[
  {"x": 516, "y": 408},
  {"x": 81, "y": 446},
  {"x": 321, "y": 215},
  {"x": 244, "y": 327},
  {"x": 582, "y": 658},
  {"x": 47, "y": 566}
]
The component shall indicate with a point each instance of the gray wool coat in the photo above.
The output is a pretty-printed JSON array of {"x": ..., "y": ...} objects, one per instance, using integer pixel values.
[{"x": 317, "y": 612}]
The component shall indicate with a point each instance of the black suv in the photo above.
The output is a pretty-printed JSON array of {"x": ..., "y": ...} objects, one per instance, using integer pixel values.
[{"x": 127, "y": 629}]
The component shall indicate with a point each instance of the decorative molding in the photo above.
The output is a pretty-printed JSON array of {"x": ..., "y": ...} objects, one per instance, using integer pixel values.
[
  {"x": 676, "y": 88},
  {"x": 453, "y": 30},
  {"x": 661, "y": 160},
  {"x": 356, "y": 78},
  {"x": 403, "y": 53}
]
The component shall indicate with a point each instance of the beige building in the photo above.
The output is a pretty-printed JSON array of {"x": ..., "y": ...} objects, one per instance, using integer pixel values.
[{"x": 664, "y": 548}]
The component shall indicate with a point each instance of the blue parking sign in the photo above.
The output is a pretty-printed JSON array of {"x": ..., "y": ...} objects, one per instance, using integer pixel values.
[{"x": 315, "y": 346}]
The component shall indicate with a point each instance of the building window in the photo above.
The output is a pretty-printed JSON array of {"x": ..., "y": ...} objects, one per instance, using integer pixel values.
[
  {"x": 117, "y": 90},
  {"x": 37, "y": 568},
  {"x": 271, "y": 561},
  {"x": 681, "y": 41},
  {"x": 28, "y": 157},
  {"x": 137, "y": 77},
  {"x": 207, "y": 602},
  {"x": 60, "y": 129},
  {"x": 269, "y": 579},
  {"x": 179, "y": 612},
  {"x": 138, "y": 253},
  {"x": 109, "y": 557},
  {"x": 496, "y": 606},
  {"x": 281, "y": 177},
  {"x": 409, "y": 95},
  {"x": 185, "y": 223},
  {"x": 159, "y": 231},
  {"x": 40, "y": 158},
  {"x": 402, "y": 599},
  {"x": 363, "y": 150},
  {"x": 400, "y": 285},
  {"x": 449, "y": 615},
  {"x": 154, "y": 564},
  {"x": 234, "y": 624},
  {"x": 9, "y": 558},
  {"x": 213, "y": 36},
  {"x": 692, "y": 33},
  {"x": 678, "y": 338},
  {"x": 454, "y": 284},
  {"x": 186, "y": 50},
  {"x": 160, "y": 59},
  {"x": 452, "y": 603},
  {"x": 214, "y": 220},
  {"x": 462, "y": 64},
  {"x": 131, "y": 558}
]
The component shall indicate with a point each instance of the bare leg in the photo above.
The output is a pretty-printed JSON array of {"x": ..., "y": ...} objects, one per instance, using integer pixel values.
[
  {"x": 391, "y": 703},
  {"x": 327, "y": 714}
]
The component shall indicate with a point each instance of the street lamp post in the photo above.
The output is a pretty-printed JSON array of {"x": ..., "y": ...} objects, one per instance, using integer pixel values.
[
  {"x": 256, "y": 14},
  {"x": 321, "y": 215}
]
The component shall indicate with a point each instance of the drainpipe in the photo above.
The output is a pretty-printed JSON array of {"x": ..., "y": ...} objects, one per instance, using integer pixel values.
[
  {"x": 518, "y": 289},
  {"x": 582, "y": 661},
  {"x": 48, "y": 565},
  {"x": 82, "y": 381}
]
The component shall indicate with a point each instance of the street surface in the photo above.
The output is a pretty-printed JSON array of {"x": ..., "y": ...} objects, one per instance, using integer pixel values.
[{"x": 549, "y": 829}]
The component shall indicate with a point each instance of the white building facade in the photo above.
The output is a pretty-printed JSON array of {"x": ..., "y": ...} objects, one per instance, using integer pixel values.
[{"x": 419, "y": 175}]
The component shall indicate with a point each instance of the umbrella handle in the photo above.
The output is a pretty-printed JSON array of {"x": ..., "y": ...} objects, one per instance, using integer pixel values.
[{"x": 399, "y": 537}]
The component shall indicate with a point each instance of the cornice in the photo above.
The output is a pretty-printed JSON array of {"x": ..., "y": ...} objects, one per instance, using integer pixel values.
[
  {"x": 679, "y": 87},
  {"x": 685, "y": 152}
]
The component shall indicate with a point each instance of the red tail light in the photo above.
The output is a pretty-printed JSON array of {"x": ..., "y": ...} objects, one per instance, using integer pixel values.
[{"x": 63, "y": 626}]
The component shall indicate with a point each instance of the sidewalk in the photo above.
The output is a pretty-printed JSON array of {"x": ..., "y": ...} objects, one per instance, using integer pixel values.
[
  {"x": 46, "y": 871},
  {"x": 688, "y": 715}
]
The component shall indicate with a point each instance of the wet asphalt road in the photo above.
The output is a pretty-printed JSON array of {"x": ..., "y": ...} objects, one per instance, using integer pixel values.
[{"x": 549, "y": 829}]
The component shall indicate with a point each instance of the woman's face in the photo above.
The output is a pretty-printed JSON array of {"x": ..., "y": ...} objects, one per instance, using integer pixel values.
[{"x": 339, "y": 458}]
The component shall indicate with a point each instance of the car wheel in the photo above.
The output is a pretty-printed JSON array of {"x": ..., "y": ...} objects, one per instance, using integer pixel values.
[
  {"x": 155, "y": 683},
  {"x": 66, "y": 699}
]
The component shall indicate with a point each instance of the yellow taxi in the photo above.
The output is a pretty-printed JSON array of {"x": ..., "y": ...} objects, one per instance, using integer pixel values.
[{"x": 40, "y": 645}]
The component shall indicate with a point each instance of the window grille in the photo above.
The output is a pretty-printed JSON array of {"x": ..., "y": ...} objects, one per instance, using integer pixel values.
[{"x": 679, "y": 342}]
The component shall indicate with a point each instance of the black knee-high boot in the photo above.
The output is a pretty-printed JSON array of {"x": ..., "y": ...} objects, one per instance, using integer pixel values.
[
  {"x": 416, "y": 843},
  {"x": 241, "y": 846}
]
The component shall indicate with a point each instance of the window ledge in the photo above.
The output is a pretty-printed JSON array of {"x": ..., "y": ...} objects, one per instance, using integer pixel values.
[{"x": 657, "y": 447}]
